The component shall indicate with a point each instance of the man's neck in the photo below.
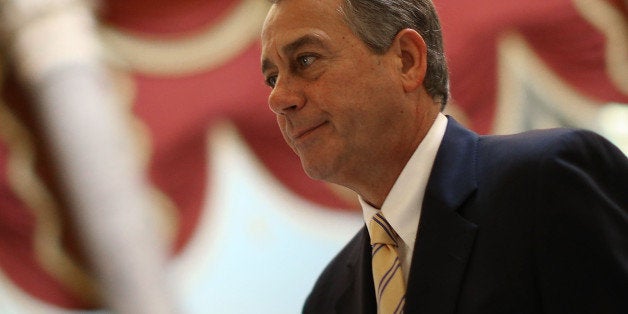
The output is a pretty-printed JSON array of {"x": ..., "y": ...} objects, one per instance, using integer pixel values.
[{"x": 381, "y": 179}]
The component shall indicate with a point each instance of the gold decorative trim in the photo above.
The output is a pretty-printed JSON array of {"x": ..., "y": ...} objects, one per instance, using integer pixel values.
[{"x": 208, "y": 49}]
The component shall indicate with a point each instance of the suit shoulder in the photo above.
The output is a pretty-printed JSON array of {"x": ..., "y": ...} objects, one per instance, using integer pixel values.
[
  {"x": 551, "y": 158},
  {"x": 548, "y": 142}
]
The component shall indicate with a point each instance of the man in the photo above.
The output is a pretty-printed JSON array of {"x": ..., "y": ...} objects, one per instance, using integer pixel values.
[{"x": 528, "y": 223}]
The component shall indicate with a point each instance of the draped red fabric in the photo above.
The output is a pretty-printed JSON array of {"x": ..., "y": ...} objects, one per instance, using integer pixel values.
[{"x": 557, "y": 32}]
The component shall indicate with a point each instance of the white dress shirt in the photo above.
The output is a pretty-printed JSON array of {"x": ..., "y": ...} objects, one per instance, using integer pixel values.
[{"x": 402, "y": 206}]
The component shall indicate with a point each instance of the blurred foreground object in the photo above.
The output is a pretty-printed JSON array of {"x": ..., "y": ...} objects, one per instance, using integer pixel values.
[
  {"x": 58, "y": 58},
  {"x": 214, "y": 159}
]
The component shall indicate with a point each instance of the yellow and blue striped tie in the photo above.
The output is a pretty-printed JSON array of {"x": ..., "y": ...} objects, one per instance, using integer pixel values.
[{"x": 390, "y": 287}]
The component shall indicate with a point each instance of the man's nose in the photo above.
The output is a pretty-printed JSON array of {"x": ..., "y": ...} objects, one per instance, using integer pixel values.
[{"x": 285, "y": 97}]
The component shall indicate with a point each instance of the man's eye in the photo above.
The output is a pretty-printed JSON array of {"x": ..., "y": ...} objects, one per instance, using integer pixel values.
[
  {"x": 306, "y": 60},
  {"x": 271, "y": 81}
]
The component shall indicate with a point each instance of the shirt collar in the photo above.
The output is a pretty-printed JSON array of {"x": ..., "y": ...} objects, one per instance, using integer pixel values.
[{"x": 402, "y": 206}]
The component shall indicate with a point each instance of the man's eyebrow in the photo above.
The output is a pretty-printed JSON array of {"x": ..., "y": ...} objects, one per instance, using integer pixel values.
[
  {"x": 304, "y": 40},
  {"x": 267, "y": 65},
  {"x": 290, "y": 48}
]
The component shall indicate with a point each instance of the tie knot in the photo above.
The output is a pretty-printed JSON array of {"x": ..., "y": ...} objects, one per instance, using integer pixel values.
[{"x": 381, "y": 231}]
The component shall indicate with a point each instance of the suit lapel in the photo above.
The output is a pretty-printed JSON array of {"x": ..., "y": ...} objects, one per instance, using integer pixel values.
[{"x": 445, "y": 239}]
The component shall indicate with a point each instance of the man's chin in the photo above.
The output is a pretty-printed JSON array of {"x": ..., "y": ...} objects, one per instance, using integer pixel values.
[{"x": 315, "y": 170}]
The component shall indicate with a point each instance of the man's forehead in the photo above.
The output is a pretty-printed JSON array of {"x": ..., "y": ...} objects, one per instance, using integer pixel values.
[
  {"x": 286, "y": 24},
  {"x": 291, "y": 24},
  {"x": 291, "y": 13},
  {"x": 290, "y": 19}
]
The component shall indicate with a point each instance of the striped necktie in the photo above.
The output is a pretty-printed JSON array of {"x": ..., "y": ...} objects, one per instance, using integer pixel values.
[{"x": 390, "y": 287}]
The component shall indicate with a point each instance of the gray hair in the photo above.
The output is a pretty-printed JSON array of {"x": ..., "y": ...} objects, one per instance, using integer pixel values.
[{"x": 377, "y": 22}]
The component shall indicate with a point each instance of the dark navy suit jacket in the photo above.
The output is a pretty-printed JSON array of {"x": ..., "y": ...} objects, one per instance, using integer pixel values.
[{"x": 529, "y": 223}]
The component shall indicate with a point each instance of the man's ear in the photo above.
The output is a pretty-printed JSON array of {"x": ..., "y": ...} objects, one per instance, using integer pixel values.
[{"x": 411, "y": 50}]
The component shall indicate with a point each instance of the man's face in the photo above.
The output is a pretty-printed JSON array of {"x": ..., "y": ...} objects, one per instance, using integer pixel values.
[{"x": 337, "y": 103}]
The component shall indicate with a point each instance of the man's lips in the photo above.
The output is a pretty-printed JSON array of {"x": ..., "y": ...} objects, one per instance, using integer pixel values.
[{"x": 300, "y": 133}]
